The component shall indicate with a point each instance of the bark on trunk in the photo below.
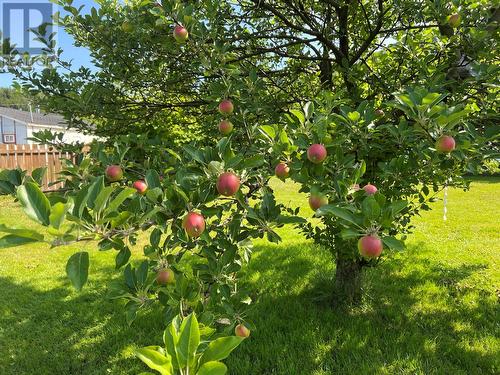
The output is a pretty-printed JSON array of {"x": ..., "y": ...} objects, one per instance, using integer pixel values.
[{"x": 348, "y": 282}]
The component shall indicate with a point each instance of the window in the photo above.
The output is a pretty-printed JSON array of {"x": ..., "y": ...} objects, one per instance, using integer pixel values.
[{"x": 9, "y": 138}]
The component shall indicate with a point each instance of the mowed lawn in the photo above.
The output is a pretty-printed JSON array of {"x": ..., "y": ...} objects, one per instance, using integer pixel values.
[{"x": 432, "y": 309}]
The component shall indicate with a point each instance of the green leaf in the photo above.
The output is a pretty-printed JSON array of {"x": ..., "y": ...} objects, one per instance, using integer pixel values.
[
  {"x": 102, "y": 199},
  {"x": 11, "y": 240},
  {"x": 398, "y": 206},
  {"x": 299, "y": 115},
  {"x": 212, "y": 368},
  {"x": 131, "y": 309},
  {"x": 268, "y": 130},
  {"x": 152, "y": 179},
  {"x": 119, "y": 199},
  {"x": 38, "y": 174},
  {"x": 77, "y": 269},
  {"x": 220, "y": 348},
  {"x": 122, "y": 257},
  {"x": 353, "y": 116},
  {"x": 80, "y": 202},
  {"x": 253, "y": 161},
  {"x": 330, "y": 210},
  {"x": 370, "y": 208},
  {"x": 349, "y": 233},
  {"x": 155, "y": 360},
  {"x": 58, "y": 213},
  {"x": 433, "y": 98},
  {"x": 92, "y": 193},
  {"x": 170, "y": 339},
  {"x": 195, "y": 153},
  {"x": 309, "y": 110},
  {"x": 181, "y": 193},
  {"x": 393, "y": 243},
  {"x": 35, "y": 203},
  {"x": 189, "y": 339},
  {"x": 7, "y": 188},
  {"x": 22, "y": 232},
  {"x": 284, "y": 137}
]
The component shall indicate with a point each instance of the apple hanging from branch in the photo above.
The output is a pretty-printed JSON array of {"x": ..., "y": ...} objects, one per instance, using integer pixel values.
[
  {"x": 225, "y": 127},
  {"x": 165, "y": 276},
  {"x": 140, "y": 186},
  {"x": 316, "y": 153},
  {"x": 317, "y": 200},
  {"x": 370, "y": 246},
  {"x": 194, "y": 224},
  {"x": 228, "y": 184},
  {"x": 445, "y": 144},
  {"x": 114, "y": 173},
  {"x": 226, "y": 107},
  {"x": 282, "y": 171},
  {"x": 180, "y": 33},
  {"x": 241, "y": 331},
  {"x": 370, "y": 189}
]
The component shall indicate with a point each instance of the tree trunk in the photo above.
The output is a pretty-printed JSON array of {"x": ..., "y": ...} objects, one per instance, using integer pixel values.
[{"x": 347, "y": 291}]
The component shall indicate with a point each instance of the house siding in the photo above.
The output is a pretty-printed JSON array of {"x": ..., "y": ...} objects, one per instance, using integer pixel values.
[
  {"x": 10, "y": 126},
  {"x": 24, "y": 124},
  {"x": 21, "y": 133}
]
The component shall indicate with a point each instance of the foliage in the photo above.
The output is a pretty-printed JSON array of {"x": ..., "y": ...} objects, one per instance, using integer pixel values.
[
  {"x": 13, "y": 178},
  {"x": 13, "y": 99},
  {"x": 189, "y": 348},
  {"x": 283, "y": 52},
  {"x": 491, "y": 167},
  {"x": 364, "y": 147},
  {"x": 90, "y": 209}
]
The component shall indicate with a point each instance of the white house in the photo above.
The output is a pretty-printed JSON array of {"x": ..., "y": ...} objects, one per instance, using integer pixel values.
[{"x": 17, "y": 126}]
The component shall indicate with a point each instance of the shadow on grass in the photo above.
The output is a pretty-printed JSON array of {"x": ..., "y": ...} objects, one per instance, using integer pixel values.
[
  {"x": 485, "y": 179},
  {"x": 416, "y": 319},
  {"x": 59, "y": 331}
]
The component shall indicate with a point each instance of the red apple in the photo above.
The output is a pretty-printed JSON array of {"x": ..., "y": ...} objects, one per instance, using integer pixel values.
[
  {"x": 317, "y": 200},
  {"x": 180, "y": 33},
  {"x": 454, "y": 20},
  {"x": 225, "y": 127},
  {"x": 282, "y": 170},
  {"x": 165, "y": 276},
  {"x": 226, "y": 107},
  {"x": 370, "y": 189},
  {"x": 140, "y": 186},
  {"x": 316, "y": 153},
  {"x": 228, "y": 184},
  {"x": 370, "y": 246},
  {"x": 445, "y": 144},
  {"x": 194, "y": 224},
  {"x": 114, "y": 173},
  {"x": 241, "y": 331}
]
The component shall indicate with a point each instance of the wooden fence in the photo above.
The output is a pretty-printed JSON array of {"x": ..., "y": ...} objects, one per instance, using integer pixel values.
[{"x": 30, "y": 157}]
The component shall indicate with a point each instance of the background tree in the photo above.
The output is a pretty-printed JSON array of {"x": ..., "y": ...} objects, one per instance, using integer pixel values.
[{"x": 14, "y": 99}]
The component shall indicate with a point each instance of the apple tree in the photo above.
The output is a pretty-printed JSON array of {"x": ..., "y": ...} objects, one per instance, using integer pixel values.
[
  {"x": 368, "y": 173},
  {"x": 394, "y": 86}
]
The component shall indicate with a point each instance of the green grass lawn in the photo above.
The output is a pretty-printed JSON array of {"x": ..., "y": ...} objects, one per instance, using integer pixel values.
[{"x": 432, "y": 309}]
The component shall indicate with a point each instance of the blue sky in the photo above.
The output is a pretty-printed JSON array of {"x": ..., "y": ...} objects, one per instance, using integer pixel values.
[{"x": 80, "y": 56}]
